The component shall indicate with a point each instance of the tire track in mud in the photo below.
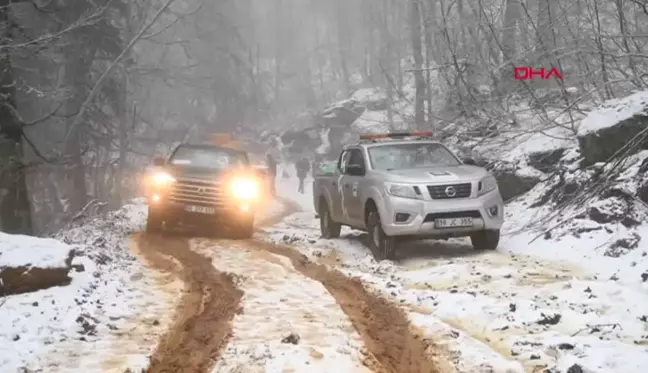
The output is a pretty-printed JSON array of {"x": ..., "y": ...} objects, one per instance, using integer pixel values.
[
  {"x": 384, "y": 327},
  {"x": 203, "y": 318}
]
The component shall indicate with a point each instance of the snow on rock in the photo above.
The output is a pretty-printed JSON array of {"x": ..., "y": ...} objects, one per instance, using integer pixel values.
[
  {"x": 567, "y": 217},
  {"x": 314, "y": 334},
  {"x": 614, "y": 111},
  {"x": 107, "y": 320},
  {"x": 28, "y": 251},
  {"x": 613, "y": 126},
  {"x": 372, "y": 122},
  {"x": 372, "y": 98}
]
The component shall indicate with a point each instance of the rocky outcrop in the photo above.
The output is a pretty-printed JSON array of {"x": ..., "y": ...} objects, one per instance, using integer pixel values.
[
  {"x": 601, "y": 145},
  {"x": 511, "y": 180},
  {"x": 613, "y": 126},
  {"x": 340, "y": 114},
  {"x": 26, "y": 279},
  {"x": 546, "y": 161}
]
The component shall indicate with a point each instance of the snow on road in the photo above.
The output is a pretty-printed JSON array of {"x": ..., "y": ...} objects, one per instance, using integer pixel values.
[
  {"x": 289, "y": 323},
  {"x": 496, "y": 311},
  {"x": 107, "y": 320}
]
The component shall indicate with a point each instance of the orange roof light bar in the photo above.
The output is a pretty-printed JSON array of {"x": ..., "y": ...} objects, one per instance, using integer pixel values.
[{"x": 373, "y": 136}]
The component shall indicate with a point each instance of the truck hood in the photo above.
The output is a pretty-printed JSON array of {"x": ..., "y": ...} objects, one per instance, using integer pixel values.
[
  {"x": 202, "y": 173},
  {"x": 443, "y": 174}
]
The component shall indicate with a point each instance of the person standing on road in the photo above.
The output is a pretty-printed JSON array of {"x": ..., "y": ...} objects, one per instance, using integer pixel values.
[
  {"x": 272, "y": 173},
  {"x": 303, "y": 166}
]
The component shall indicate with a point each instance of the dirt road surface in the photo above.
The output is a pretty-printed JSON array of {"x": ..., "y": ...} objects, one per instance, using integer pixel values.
[{"x": 203, "y": 321}]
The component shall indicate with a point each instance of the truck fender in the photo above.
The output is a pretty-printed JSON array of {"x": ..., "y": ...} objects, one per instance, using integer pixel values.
[
  {"x": 378, "y": 196},
  {"x": 326, "y": 193}
]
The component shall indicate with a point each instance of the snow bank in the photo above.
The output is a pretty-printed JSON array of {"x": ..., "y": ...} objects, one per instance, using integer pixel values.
[
  {"x": 28, "y": 251},
  {"x": 613, "y": 112},
  {"x": 107, "y": 320}
]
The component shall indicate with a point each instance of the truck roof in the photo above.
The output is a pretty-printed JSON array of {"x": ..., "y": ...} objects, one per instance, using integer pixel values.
[{"x": 394, "y": 138}]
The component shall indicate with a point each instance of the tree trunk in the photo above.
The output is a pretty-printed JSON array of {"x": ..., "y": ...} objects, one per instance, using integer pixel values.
[
  {"x": 343, "y": 45},
  {"x": 15, "y": 209},
  {"x": 417, "y": 52}
]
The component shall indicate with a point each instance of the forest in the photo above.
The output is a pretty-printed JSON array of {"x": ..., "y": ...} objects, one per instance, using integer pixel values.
[{"x": 92, "y": 90}]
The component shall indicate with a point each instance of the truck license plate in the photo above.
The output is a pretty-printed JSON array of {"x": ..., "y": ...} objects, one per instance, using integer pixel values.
[
  {"x": 453, "y": 223},
  {"x": 200, "y": 209}
]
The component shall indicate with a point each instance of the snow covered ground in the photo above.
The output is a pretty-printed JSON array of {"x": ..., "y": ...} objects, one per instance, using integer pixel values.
[
  {"x": 546, "y": 306},
  {"x": 107, "y": 320}
]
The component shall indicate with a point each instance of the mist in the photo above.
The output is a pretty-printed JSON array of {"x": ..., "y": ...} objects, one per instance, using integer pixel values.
[{"x": 93, "y": 90}]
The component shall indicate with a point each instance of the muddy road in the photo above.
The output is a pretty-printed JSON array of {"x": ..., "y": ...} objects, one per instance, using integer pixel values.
[{"x": 203, "y": 319}]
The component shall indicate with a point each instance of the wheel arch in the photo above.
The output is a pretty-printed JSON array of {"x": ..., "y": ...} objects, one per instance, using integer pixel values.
[{"x": 369, "y": 206}]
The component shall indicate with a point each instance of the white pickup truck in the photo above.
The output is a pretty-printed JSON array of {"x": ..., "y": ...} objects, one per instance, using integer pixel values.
[{"x": 406, "y": 186}]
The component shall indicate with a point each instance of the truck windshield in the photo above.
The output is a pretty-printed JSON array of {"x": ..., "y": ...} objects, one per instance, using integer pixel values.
[
  {"x": 208, "y": 157},
  {"x": 411, "y": 155}
]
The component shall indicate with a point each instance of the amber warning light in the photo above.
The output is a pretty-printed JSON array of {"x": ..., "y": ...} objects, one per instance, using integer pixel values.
[{"x": 372, "y": 136}]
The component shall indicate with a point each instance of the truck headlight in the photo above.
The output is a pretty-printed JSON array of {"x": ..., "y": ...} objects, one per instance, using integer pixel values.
[
  {"x": 487, "y": 184},
  {"x": 161, "y": 179},
  {"x": 403, "y": 191},
  {"x": 245, "y": 188}
]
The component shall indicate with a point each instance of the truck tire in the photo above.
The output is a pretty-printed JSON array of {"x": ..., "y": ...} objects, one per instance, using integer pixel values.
[
  {"x": 154, "y": 221},
  {"x": 328, "y": 227},
  {"x": 486, "y": 240},
  {"x": 383, "y": 247}
]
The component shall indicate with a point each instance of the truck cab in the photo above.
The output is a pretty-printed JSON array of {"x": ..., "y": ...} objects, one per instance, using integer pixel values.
[
  {"x": 209, "y": 186},
  {"x": 408, "y": 186}
]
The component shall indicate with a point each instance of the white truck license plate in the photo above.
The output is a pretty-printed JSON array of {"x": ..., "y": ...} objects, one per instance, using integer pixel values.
[
  {"x": 200, "y": 209},
  {"x": 453, "y": 223}
]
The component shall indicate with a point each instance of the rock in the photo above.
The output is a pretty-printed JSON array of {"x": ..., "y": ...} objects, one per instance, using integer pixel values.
[
  {"x": 549, "y": 319},
  {"x": 600, "y": 138},
  {"x": 575, "y": 369},
  {"x": 24, "y": 279},
  {"x": 292, "y": 338},
  {"x": 374, "y": 99},
  {"x": 511, "y": 182},
  {"x": 340, "y": 114},
  {"x": 622, "y": 246},
  {"x": 546, "y": 161}
]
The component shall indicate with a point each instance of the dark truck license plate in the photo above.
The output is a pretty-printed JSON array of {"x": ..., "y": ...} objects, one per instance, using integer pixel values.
[
  {"x": 453, "y": 223},
  {"x": 200, "y": 209}
]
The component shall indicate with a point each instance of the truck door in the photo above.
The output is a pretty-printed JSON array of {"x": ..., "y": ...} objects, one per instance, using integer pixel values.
[
  {"x": 353, "y": 177},
  {"x": 337, "y": 194}
]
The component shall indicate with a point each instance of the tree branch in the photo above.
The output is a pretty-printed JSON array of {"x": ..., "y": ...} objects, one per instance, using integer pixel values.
[{"x": 102, "y": 78}]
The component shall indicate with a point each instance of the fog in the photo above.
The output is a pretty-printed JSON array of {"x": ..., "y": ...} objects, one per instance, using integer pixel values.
[{"x": 93, "y": 90}]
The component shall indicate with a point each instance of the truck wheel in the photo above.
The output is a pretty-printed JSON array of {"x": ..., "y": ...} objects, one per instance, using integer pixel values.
[
  {"x": 328, "y": 227},
  {"x": 153, "y": 221},
  {"x": 383, "y": 247},
  {"x": 486, "y": 240}
]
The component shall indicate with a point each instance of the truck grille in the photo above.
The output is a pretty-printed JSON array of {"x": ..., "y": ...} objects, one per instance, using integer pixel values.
[
  {"x": 197, "y": 192},
  {"x": 450, "y": 191}
]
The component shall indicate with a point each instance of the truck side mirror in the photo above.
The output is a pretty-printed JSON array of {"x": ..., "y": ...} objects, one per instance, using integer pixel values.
[
  {"x": 469, "y": 162},
  {"x": 159, "y": 161}
]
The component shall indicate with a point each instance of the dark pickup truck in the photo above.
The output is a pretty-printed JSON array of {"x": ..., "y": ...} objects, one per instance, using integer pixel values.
[{"x": 206, "y": 186}]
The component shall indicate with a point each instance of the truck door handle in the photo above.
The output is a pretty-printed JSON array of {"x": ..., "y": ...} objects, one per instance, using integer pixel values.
[
  {"x": 346, "y": 185},
  {"x": 334, "y": 183}
]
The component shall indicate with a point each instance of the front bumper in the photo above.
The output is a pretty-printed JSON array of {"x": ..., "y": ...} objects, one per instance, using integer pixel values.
[
  {"x": 409, "y": 217},
  {"x": 171, "y": 211}
]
